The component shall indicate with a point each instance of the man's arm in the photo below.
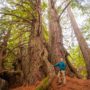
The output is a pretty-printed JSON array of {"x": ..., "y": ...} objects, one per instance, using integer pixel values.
[{"x": 56, "y": 64}]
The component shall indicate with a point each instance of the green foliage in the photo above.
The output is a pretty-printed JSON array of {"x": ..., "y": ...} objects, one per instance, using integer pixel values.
[
  {"x": 44, "y": 5},
  {"x": 17, "y": 16},
  {"x": 45, "y": 33},
  {"x": 86, "y": 29},
  {"x": 43, "y": 85},
  {"x": 9, "y": 61},
  {"x": 76, "y": 4},
  {"x": 78, "y": 61}
]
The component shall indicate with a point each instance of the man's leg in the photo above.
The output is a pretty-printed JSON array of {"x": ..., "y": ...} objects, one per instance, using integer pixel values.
[
  {"x": 63, "y": 76},
  {"x": 59, "y": 75}
]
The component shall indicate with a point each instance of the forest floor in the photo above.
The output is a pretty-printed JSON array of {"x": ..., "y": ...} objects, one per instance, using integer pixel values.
[{"x": 72, "y": 84}]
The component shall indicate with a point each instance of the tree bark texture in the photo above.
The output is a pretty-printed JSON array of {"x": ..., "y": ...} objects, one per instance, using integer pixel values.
[
  {"x": 35, "y": 65},
  {"x": 56, "y": 42}
]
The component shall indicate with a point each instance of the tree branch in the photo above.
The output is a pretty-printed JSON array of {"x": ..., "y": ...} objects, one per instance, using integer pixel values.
[
  {"x": 16, "y": 16},
  {"x": 64, "y": 9}
]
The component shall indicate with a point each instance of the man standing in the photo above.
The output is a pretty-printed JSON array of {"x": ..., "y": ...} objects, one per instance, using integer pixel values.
[{"x": 62, "y": 67}]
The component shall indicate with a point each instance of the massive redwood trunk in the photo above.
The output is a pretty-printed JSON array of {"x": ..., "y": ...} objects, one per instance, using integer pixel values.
[
  {"x": 82, "y": 43},
  {"x": 34, "y": 66}
]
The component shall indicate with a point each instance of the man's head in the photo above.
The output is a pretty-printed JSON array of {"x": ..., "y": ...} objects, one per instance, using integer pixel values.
[{"x": 61, "y": 59}]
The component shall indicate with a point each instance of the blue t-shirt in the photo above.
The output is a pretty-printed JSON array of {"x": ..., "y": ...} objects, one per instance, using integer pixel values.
[{"x": 61, "y": 65}]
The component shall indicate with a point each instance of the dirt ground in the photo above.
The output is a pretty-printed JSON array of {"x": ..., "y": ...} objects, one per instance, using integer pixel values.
[
  {"x": 24, "y": 88},
  {"x": 72, "y": 84}
]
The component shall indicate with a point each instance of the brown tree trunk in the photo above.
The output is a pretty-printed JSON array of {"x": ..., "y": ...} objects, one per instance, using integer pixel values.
[
  {"x": 34, "y": 66},
  {"x": 82, "y": 43},
  {"x": 56, "y": 42},
  {"x": 56, "y": 39}
]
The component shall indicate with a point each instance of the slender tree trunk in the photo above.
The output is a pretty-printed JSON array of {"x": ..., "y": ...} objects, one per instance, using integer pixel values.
[{"x": 82, "y": 43}]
